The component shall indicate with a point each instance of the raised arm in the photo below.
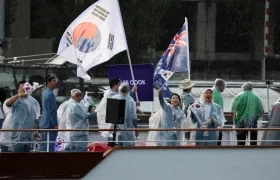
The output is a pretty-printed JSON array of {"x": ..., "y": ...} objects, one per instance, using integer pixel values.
[
  {"x": 13, "y": 99},
  {"x": 163, "y": 103},
  {"x": 133, "y": 92}
]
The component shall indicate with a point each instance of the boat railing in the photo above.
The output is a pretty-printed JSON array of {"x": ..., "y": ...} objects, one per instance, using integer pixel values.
[{"x": 227, "y": 131}]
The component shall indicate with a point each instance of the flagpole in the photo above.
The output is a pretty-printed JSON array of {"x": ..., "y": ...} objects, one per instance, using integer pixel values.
[
  {"x": 132, "y": 74},
  {"x": 188, "y": 44}
]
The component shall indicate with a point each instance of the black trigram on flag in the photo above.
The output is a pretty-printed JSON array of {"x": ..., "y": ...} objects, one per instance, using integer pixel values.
[
  {"x": 69, "y": 39},
  {"x": 100, "y": 12},
  {"x": 111, "y": 41}
]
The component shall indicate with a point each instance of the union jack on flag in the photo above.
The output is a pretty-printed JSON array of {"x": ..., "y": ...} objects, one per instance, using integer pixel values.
[
  {"x": 174, "y": 59},
  {"x": 178, "y": 40}
]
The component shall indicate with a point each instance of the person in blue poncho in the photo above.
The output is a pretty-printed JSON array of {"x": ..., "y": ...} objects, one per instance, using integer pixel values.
[
  {"x": 170, "y": 116},
  {"x": 206, "y": 114},
  {"x": 75, "y": 116},
  {"x": 101, "y": 108},
  {"x": 126, "y": 138},
  {"x": 49, "y": 114},
  {"x": 23, "y": 116}
]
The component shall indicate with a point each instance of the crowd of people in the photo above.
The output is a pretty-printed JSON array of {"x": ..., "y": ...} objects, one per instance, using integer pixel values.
[
  {"x": 183, "y": 111},
  {"x": 22, "y": 111},
  {"x": 207, "y": 112}
]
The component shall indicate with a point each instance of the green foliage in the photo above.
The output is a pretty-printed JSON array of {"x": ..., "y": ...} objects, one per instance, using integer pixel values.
[
  {"x": 236, "y": 25},
  {"x": 51, "y": 18},
  {"x": 142, "y": 21},
  {"x": 10, "y": 7},
  {"x": 275, "y": 13}
]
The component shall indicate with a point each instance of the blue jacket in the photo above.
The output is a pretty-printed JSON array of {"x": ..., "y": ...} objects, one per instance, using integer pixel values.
[{"x": 49, "y": 110}]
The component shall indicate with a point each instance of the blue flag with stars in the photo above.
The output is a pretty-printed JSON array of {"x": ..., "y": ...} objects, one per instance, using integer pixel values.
[{"x": 174, "y": 59}]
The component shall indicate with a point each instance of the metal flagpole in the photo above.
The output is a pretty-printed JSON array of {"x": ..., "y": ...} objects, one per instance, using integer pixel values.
[
  {"x": 188, "y": 44},
  {"x": 266, "y": 31},
  {"x": 132, "y": 74},
  {"x": 267, "y": 94}
]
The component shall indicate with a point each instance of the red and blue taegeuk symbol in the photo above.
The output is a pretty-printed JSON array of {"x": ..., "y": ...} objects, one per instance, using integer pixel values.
[{"x": 86, "y": 37}]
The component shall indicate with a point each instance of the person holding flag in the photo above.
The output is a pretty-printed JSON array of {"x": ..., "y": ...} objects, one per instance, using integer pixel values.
[
  {"x": 169, "y": 116},
  {"x": 23, "y": 113},
  {"x": 174, "y": 59},
  {"x": 205, "y": 114},
  {"x": 101, "y": 108}
]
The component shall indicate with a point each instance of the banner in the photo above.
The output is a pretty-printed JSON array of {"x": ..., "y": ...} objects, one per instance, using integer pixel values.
[
  {"x": 94, "y": 37},
  {"x": 143, "y": 74}
]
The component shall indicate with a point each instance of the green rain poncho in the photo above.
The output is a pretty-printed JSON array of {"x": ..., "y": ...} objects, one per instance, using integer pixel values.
[
  {"x": 218, "y": 98},
  {"x": 248, "y": 108}
]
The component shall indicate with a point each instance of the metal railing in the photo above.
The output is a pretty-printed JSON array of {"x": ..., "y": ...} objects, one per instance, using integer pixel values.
[{"x": 226, "y": 128}]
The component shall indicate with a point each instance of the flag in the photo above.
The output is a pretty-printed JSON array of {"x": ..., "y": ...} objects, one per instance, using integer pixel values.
[
  {"x": 86, "y": 96},
  {"x": 27, "y": 88},
  {"x": 94, "y": 37},
  {"x": 174, "y": 59}
]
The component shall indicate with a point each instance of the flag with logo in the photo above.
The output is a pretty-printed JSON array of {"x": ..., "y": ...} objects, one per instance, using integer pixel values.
[
  {"x": 94, "y": 37},
  {"x": 174, "y": 59}
]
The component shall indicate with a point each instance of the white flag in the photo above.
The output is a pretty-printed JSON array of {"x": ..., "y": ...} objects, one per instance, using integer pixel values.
[
  {"x": 86, "y": 96},
  {"x": 94, "y": 37}
]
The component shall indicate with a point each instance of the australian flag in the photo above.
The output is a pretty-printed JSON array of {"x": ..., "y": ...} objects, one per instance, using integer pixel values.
[{"x": 174, "y": 59}]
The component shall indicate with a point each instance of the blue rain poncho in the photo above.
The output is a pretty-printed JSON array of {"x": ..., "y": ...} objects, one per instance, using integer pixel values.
[
  {"x": 101, "y": 113},
  {"x": 73, "y": 115},
  {"x": 130, "y": 116},
  {"x": 200, "y": 114},
  {"x": 24, "y": 113},
  {"x": 5, "y": 137},
  {"x": 166, "y": 117}
]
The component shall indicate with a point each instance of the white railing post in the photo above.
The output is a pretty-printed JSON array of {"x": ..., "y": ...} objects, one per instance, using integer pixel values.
[
  {"x": 48, "y": 141},
  {"x": 249, "y": 138}
]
